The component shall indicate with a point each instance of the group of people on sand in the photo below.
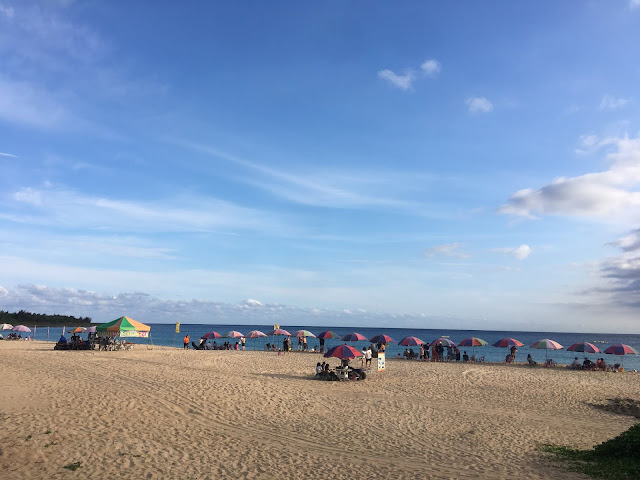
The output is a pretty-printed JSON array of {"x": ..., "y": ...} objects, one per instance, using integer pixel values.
[
  {"x": 344, "y": 372},
  {"x": 13, "y": 336},
  {"x": 587, "y": 364},
  {"x": 287, "y": 346},
  {"x": 436, "y": 353}
]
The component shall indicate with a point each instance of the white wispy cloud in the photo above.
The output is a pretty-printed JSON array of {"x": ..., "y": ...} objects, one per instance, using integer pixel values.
[
  {"x": 479, "y": 105},
  {"x": 521, "y": 252},
  {"x": 71, "y": 209},
  {"x": 608, "y": 194},
  {"x": 28, "y": 104},
  {"x": 447, "y": 250},
  {"x": 634, "y": 4},
  {"x": 403, "y": 82},
  {"x": 331, "y": 188},
  {"x": 10, "y": 155},
  {"x": 431, "y": 67},
  {"x": 609, "y": 102}
]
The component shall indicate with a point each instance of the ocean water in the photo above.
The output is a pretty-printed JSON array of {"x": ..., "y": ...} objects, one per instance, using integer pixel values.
[{"x": 164, "y": 334}]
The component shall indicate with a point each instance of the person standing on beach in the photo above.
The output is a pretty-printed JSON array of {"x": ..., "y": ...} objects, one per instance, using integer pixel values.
[
  {"x": 186, "y": 342},
  {"x": 368, "y": 354},
  {"x": 513, "y": 352},
  {"x": 322, "y": 345},
  {"x": 242, "y": 341}
]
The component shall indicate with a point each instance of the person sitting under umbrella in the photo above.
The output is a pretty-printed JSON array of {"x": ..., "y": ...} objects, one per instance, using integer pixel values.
[{"x": 575, "y": 364}]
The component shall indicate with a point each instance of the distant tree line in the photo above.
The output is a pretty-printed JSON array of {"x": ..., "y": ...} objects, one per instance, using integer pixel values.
[{"x": 42, "y": 319}]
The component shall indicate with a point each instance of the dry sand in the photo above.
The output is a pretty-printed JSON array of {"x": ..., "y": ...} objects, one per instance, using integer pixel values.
[{"x": 169, "y": 413}]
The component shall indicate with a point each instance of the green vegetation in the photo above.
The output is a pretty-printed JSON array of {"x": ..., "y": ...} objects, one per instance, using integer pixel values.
[
  {"x": 615, "y": 459},
  {"x": 50, "y": 443},
  {"x": 73, "y": 466},
  {"x": 42, "y": 319},
  {"x": 47, "y": 432},
  {"x": 28, "y": 437}
]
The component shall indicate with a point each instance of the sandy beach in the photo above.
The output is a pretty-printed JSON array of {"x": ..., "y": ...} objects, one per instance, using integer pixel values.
[{"x": 169, "y": 413}]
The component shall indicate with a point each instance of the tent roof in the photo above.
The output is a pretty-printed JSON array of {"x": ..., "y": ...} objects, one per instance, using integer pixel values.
[{"x": 123, "y": 324}]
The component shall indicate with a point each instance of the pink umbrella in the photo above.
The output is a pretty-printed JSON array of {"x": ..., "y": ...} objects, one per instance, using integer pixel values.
[
  {"x": 20, "y": 328},
  {"x": 255, "y": 334},
  {"x": 234, "y": 334},
  {"x": 410, "y": 341},
  {"x": 279, "y": 331}
]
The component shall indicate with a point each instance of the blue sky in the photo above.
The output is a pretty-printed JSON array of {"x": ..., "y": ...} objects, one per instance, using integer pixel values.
[{"x": 445, "y": 165}]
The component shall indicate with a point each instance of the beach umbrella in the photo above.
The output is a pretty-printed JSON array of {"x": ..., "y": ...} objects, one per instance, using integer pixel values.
[
  {"x": 327, "y": 335},
  {"x": 78, "y": 330},
  {"x": 20, "y": 328},
  {"x": 233, "y": 334},
  {"x": 124, "y": 327},
  {"x": 353, "y": 337},
  {"x": 445, "y": 342},
  {"x": 472, "y": 342},
  {"x": 279, "y": 331},
  {"x": 410, "y": 341},
  {"x": 621, "y": 349},
  {"x": 382, "y": 339},
  {"x": 508, "y": 342},
  {"x": 6, "y": 326},
  {"x": 255, "y": 334},
  {"x": 91, "y": 329},
  {"x": 304, "y": 333},
  {"x": 210, "y": 335},
  {"x": 585, "y": 347},
  {"x": 343, "y": 351},
  {"x": 547, "y": 345}
]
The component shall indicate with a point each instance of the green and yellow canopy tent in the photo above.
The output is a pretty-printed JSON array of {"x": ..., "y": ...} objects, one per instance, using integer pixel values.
[{"x": 124, "y": 327}]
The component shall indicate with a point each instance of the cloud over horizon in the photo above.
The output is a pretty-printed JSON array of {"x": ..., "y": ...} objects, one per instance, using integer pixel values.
[
  {"x": 103, "y": 307},
  {"x": 596, "y": 195}
]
